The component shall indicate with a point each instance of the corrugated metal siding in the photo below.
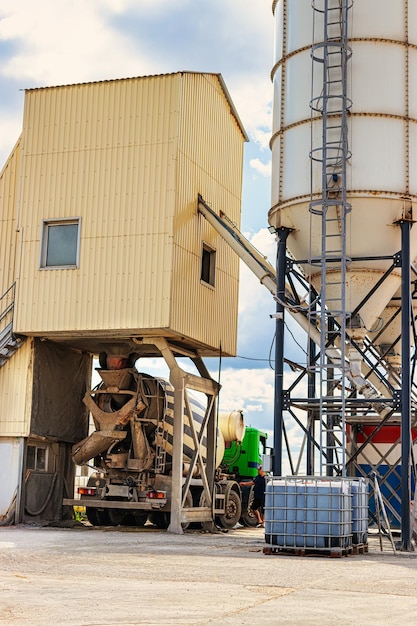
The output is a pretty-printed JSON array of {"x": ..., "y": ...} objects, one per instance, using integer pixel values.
[
  {"x": 129, "y": 158},
  {"x": 210, "y": 163},
  {"x": 15, "y": 392},
  {"x": 9, "y": 236},
  {"x": 104, "y": 152}
]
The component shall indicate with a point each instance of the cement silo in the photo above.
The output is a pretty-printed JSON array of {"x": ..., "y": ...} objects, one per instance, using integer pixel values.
[
  {"x": 344, "y": 191},
  {"x": 381, "y": 177}
]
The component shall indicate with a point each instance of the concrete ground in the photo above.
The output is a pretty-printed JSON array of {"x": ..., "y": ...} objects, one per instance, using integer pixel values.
[{"x": 121, "y": 576}]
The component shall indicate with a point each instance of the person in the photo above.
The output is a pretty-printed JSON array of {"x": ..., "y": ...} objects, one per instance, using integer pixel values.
[{"x": 258, "y": 504}]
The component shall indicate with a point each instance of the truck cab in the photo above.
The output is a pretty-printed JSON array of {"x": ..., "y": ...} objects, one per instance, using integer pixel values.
[{"x": 241, "y": 461}]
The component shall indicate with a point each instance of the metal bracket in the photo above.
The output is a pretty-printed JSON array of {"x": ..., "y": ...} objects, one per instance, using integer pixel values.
[
  {"x": 289, "y": 264},
  {"x": 396, "y": 399},
  {"x": 397, "y": 259},
  {"x": 286, "y": 401}
]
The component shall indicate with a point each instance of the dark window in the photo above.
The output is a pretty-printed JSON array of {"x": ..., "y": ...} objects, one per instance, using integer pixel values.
[
  {"x": 208, "y": 265},
  {"x": 36, "y": 458},
  {"x": 60, "y": 243}
]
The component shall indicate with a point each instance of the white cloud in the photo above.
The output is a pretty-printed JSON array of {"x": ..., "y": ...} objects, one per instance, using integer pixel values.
[
  {"x": 252, "y": 295},
  {"x": 11, "y": 127},
  {"x": 265, "y": 242},
  {"x": 252, "y": 97},
  {"x": 262, "y": 168},
  {"x": 55, "y": 42},
  {"x": 243, "y": 387},
  {"x": 62, "y": 42},
  {"x": 253, "y": 408},
  {"x": 121, "y": 6}
]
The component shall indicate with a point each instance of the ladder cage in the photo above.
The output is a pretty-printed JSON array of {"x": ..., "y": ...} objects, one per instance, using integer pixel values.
[{"x": 329, "y": 107}]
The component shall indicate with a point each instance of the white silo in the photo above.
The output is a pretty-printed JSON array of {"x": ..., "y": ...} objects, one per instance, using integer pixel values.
[
  {"x": 344, "y": 192},
  {"x": 381, "y": 175},
  {"x": 386, "y": 335}
]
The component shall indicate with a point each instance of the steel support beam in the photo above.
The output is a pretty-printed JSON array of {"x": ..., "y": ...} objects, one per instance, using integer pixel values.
[
  {"x": 406, "y": 543},
  {"x": 282, "y": 234}
]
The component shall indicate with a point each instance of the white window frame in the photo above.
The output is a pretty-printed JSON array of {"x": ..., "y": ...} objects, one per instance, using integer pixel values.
[{"x": 70, "y": 221}]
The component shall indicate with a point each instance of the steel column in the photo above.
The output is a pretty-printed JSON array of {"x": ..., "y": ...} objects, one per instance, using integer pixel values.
[
  {"x": 282, "y": 234},
  {"x": 311, "y": 390},
  {"x": 406, "y": 543}
]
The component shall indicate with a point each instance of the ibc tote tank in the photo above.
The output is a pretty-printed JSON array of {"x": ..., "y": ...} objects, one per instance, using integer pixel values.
[{"x": 381, "y": 176}]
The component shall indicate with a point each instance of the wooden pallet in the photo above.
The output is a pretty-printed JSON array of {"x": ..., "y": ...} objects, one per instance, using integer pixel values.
[
  {"x": 360, "y": 548},
  {"x": 331, "y": 553}
]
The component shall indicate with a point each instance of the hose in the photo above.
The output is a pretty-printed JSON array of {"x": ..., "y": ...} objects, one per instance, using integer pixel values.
[{"x": 47, "y": 499}]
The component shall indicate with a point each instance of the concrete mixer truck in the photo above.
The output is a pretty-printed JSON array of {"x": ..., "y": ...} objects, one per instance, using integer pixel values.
[{"x": 130, "y": 451}]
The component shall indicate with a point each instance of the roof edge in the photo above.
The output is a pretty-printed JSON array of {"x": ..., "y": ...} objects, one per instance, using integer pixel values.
[{"x": 114, "y": 80}]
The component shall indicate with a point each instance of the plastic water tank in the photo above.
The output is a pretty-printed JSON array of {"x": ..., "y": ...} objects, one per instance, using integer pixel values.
[{"x": 309, "y": 513}]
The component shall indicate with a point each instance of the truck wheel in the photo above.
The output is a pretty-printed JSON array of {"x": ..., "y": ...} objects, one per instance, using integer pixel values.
[
  {"x": 140, "y": 518},
  {"x": 248, "y": 517},
  {"x": 233, "y": 510},
  {"x": 102, "y": 517},
  {"x": 160, "y": 519},
  {"x": 92, "y": 516},
  {"x": 116, "y": 517},
  {"x": 128, "y": 520}
]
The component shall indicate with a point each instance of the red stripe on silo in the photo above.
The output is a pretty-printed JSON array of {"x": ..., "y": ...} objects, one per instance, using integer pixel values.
[{"x": 387, "y": 434}]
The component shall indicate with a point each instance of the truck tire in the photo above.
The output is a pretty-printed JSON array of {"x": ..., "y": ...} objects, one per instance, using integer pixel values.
[
  {"x": 248, "y": 517},
  {"x": 233, "y": 510},
  {"x": 116, "y": 517},
  {"x": 162, "y": 520},
  {"x": 140, "y": 518},
  {"x": 96, "y": 517},
  {"x": 103, "y": 517},
  {"x": 92, "y": 516}
]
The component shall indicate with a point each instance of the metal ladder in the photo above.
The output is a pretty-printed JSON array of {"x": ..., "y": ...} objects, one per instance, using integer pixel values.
[{"x": 329, "y": 157}]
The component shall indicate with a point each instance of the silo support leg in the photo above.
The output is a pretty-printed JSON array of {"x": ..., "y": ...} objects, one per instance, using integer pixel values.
[
  {"x": 406, "y": 543},
  {"x": 282, "y": 234}
]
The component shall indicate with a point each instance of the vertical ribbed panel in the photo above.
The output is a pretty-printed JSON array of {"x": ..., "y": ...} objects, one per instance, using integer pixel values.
[
  {"x": 129, "y": 158},
  {"x": 211, "y": 166},
  {"x": 15, "y": 385},
  {"x": 9, "y": 236},
  {"x": 104, "y": 152}
]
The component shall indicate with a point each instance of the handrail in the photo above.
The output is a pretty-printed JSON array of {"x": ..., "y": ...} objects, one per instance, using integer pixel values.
[{"x": 10, "y": 305}]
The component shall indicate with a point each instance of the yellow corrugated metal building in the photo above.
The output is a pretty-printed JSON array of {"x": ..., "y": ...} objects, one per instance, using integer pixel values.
[
  {"x": 102, "y": 245},
  {"x": 105, "y": 236}
]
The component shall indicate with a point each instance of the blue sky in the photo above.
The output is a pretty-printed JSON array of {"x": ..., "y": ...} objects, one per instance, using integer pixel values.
[{"x": 53, "y": 42}]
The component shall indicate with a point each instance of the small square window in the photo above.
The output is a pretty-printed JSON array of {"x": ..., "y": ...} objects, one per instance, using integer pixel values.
[
  {"x": 36, "y": 458},
  {"x": 208, "y": 265},
  {"x": 60, "y": 243}
]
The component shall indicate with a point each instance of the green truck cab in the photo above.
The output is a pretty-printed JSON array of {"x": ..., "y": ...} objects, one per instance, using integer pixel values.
[{"x": 241, "y": 460}]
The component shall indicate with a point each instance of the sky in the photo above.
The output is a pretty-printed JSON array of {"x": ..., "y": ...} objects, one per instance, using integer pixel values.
[{"x": 55, "y": 42}]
